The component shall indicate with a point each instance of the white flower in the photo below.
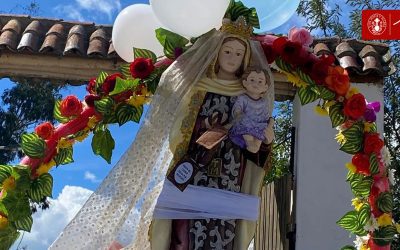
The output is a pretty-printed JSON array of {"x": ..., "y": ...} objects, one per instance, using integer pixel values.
[
  {"x": 360, "y": 241},
  {"x": 371, "y": 224},
  {"x": 386, "y": 157},
  {"x": 391, "y": 176}
]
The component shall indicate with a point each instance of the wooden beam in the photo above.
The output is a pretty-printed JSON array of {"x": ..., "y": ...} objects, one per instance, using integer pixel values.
[{"x": 71, "y": 70}]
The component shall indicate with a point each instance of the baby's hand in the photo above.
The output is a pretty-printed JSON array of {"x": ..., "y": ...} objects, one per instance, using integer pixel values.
[{"x": 269, "y": 131}]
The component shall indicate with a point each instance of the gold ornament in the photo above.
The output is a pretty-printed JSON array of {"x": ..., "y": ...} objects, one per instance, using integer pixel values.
[{"x": 238, "y": 27}]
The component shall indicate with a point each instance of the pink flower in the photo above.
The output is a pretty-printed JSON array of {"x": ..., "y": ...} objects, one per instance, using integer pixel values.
[{"x": 300, "y": 35}]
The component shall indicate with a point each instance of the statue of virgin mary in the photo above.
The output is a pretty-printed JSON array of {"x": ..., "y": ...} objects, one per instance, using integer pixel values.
[{"x": 195, "y": 94}]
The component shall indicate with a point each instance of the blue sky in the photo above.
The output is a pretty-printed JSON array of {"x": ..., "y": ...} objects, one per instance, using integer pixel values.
[{"x": 73, "y": 183}]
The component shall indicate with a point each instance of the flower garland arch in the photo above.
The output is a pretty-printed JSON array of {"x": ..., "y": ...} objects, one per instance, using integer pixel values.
[{"x": 119, "y": 98}]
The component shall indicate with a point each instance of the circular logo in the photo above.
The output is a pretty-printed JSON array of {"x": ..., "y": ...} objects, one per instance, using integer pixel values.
[
  {"x": 183, "y": 173},
  {"x": 377, "y": 24}
]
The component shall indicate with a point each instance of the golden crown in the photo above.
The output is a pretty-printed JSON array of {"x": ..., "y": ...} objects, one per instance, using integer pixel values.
[{"x": 238, "y": 27}]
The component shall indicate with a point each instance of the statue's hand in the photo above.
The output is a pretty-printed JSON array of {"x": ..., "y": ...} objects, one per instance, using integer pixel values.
[{"x": 269, "y": 131}]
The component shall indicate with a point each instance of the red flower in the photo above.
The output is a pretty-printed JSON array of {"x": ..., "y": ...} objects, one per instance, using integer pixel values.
[
  {"x": 355, "y": 106},
  {"x": 372, "y": 143},
  {"x": 373, "y": 246},
  {"x": 109, "y": 83},
  {"x": 291, "y": 52},
  {"x": 123, "y": 96},
  {"x": 361, "y": 161},
  {"x": 307, "y": 66},
  {"x": 338, "y": 80},
  {"x": 321, "y": 67},
  {"x": 70, "y": 106},
  {"x": 269, "y": 52},
  {"x": 91, "y": 86},
  {"x": 45, "y": 130},
  {"x": 89, "y": 99},
  {"x": 267, "y": 42},
  {"x": 379, "y": 186},
  {"x": 141, "y": 68}
]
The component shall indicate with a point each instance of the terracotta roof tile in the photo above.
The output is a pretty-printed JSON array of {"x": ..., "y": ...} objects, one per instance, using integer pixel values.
[
  {"x": 25, "y": 34},
  {"x": 31, "y": 37},
  {"x": 99, "y": 43},
  {"x": 54, "y": 41},
  {"x": 76, "y": 41},
  {"x": 10, "y": 34},
  {"x": 362, "y": 58}
]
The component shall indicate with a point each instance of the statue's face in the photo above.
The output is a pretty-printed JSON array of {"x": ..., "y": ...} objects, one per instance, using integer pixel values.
[
  {"x": 256, "y": 83},
  {"x": 230, "y": 56}
]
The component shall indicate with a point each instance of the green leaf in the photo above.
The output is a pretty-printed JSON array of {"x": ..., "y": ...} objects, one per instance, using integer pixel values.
[
  {"x": 364, "y": 214},
  {"x": 373, "y": 167},
  {"x": 170, "y": 41},
  {"x": 127, "y": 113},
  {"x": 284, "y": 66},
  {"x": 360, "y": 185},
  {"x": 373, "y": 128},
  {"x": 348, "y": 247},
  {"x": 138, "y": 114},
  {"x": 33, "y": 146},
  {"x": 100, "y": 79},
  {"x": 22, "y": 175},
  {"x": 349, "y": 221},
  {"x": 64, "y": 156},
  {"x": 306, "y": 78},
  {"x": 105, "y": 105},
  {"x": 385, "y": 202},
  {"x": 144, "y": 53},
  {"x": 351, "y": 148},
  {"x": 169, "y": 49},
  {"x": 125, "y": 70},
  {"x": 336, "y": 114},
  {"x": 110, "y": 118},
  {"x": 7, "y": 237},
  {"x": 354, "y": 139},
  {"x": 24, "y": 224},
  {"x": 41, "y": 187},
  {"x": 5, "y": 172},
  {"x": 355, "y": 133},
  {"x": 326, "y": 94},
  {"x": 122, "y": 85},
  {"x": 384, "y": 235},
  {"x": 307, "y": 95},
  {"x": 17, "y": 205},
  {"x": 57, "y": 113},
  {"x": 237, "y": 9},
  {"x": 253, "y": 18},
  {"x": 103, "y": 144}
]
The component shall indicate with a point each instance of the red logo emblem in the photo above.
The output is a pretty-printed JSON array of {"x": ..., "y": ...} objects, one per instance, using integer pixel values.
[
  {"x": 377, "y": 24},
  {"x": 381, "y": 24}
]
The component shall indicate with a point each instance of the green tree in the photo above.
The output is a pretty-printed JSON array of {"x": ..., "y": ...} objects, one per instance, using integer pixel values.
[
  {"x": 23, "y": 106},
  {"x": 333, "y": 23}
]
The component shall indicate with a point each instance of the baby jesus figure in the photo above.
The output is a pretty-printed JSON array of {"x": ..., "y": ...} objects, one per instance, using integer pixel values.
[{"x": 251, "y": 112}]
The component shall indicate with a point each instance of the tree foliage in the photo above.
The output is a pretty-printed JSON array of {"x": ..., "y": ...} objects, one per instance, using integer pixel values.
[
  {"x": 345, "y": 21},
  {"x": 23, "y": 106}
]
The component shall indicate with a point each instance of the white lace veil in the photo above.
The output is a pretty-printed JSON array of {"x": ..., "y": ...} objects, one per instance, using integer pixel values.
[{"x": 122, "y": 207}]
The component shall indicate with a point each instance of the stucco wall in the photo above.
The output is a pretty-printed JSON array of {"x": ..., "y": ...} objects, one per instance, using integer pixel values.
[{"x": 323, "y": 196}]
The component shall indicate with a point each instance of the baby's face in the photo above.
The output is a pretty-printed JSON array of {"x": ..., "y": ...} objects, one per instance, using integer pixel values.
[{"x": 256, "y": 83}]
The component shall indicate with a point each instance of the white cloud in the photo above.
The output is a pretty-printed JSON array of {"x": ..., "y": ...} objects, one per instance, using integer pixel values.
[
  {"x": 48, "y": 224},
  {"x": 91, "y": 177},
  {"x": 105, "y": 6},
  {"x": 82, "y": 9},
  {"x": 71, "y": 12}
]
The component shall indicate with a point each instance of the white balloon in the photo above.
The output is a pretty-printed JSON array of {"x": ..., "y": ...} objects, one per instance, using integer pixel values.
[
  {"x": 135, "y": 27},
  {"x": 190, "y": 18}
]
